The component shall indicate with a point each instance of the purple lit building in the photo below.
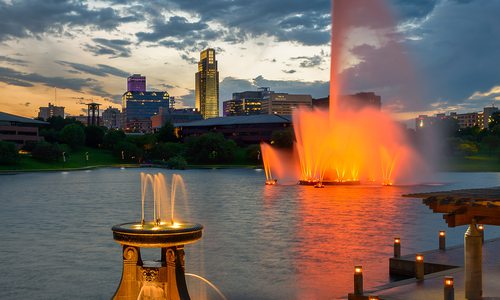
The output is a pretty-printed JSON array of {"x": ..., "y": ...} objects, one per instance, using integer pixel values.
[{"x": 136, "y": 83}]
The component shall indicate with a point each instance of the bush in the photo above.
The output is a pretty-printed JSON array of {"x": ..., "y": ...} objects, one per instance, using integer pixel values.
[
  {"x": 209, "y": 148},
  {"x": 468, "y": 148},
  {"x": 8, "y": 153},
  {"x": 73, "y": 135},
  {"x": 47, "y": 152},
  {"x": 177, "y": 162}
]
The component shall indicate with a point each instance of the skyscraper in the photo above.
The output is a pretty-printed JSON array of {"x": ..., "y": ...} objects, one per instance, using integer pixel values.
[
  {"x": 136, "y": 83},
  {"x": 207, "y": 85}
]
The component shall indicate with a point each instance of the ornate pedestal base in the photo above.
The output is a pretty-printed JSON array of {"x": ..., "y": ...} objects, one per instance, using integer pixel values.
[{"x": 163, "y": 279}]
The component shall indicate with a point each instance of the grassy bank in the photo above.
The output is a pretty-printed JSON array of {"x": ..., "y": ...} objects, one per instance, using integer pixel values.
[
  {"x": 74, "y": 160},
  {"x": 472, "y": 164}
]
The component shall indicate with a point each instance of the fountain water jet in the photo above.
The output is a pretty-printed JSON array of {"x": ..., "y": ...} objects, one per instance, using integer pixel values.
[
  {"x": 163, "y": 279},
  {"x": 345, "y": 145}
]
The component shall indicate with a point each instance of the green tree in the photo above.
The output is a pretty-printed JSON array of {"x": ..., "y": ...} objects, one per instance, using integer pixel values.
[
  {"x": 128, "y": 151},
  {"x": 253, "y": 154},
  {"x": 143, "y": 141},
  {"x": 113, "y": 137},
  {"x": 8, "y": 153},
  {"x": 283, "y": 138},
  {"x": 209, "y": 148},
  {"x": 73, "y": 135},
  {"x": 166, "y": 133},
  {"x": 177, "y": 162},
  {"x": 492, "y": 142},
  {"x": 468, "y": 148},
  {"x": 165, "y": 151},
  {"x": 94, "y": 136},
  {"x": 47, "y": 152}
]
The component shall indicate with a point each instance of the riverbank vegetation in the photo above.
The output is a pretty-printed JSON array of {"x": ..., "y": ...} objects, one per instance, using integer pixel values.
[{"x": 68, "y": 144}]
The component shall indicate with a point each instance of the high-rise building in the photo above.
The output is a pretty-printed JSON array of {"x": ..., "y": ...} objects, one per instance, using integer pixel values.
[
  {"x": 207, "y": 85},
  {"x": 51, "y": 111},
  {"x": 284, "y": 103},
  {"x": 112, "y": 118},
  {"x": 139, "y": 107},
  {"x": 136, "y": 83},
  {"x": 245, "y": 103}
]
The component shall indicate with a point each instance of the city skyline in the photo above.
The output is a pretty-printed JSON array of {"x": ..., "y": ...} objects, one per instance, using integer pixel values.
[{"x": 87, "y": 50}]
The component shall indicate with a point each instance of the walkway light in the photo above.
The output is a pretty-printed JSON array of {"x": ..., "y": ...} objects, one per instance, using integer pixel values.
[
  {"x": 419, "y": 267},
  {"x": 397, "y": 247},
  {"x": 358, "y": 280},
  {"x": 442, "y": 240},
  {"x": 449, "y": 290}
]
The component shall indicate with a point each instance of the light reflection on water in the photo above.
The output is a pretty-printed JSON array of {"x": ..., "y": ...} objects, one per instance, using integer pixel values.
[{"x": 260, "y": 242}]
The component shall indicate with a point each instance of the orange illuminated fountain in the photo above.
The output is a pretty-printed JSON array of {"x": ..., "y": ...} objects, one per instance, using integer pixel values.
[
  {"x": 343, "y": 146},
  {"x": 163, "y": 279}
]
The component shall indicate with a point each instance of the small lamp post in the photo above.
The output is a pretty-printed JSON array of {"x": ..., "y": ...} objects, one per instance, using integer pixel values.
[
  {"x": 397, "y": 247},
  {"x": 442, "y": 240},
  {"x": 419, "y": 267},
  {"x": 64, "y": 157},
  {"x": 480, "y": 227},
  {"x": 449, "y": 290},
  {"x": 358, "y": 280}
]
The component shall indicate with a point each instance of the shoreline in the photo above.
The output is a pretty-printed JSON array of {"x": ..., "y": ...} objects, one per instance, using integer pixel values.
[{"x": 19, "y": 171}]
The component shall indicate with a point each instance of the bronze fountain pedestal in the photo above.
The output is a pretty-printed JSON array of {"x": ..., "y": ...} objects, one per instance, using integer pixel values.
[{"x": 162, "y": 279}]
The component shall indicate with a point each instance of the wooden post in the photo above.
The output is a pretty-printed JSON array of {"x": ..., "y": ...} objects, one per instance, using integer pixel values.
[{"x": 480, "y": 227}]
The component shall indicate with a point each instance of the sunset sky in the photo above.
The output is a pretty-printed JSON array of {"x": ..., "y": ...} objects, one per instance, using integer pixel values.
[{"x": 86, "y": 49}]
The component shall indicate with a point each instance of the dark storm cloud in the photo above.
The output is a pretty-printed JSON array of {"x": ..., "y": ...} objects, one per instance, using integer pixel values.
[
  {"x": 459, "y": 55},
  {"x": 17, "y": 78},
  {"x": 100, "y": 70},
  {"x": 13, "y": 61},
  {"x": 189, "y": 59},
  {"x": 32, "y": 18},
  {"x": 288, "y": 71},
  {"x": 112, "y": 47}
]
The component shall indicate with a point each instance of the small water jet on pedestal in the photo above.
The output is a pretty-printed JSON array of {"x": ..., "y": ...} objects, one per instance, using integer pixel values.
[{"x": 163, "y": 279}]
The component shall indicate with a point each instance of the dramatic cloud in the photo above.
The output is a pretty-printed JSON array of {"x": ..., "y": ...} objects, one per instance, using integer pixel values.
[
  {"x": 13, "y": 61},
  {"x": 114, "y": 48},
  {"x": 13, "y": 77},
  {"x": 309, "y": 61},
  {"x": 32, "y": 18},
  {"x": 100, "y": 70},
  {"x": 289, "y": 71}
]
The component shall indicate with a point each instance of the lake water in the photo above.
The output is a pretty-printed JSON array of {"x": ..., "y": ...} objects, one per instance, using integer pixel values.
[{"x": 260, "y": 242}]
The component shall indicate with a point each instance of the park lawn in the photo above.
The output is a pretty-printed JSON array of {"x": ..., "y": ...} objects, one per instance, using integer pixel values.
[
  {"x": 74, "y": 160},
  {"x": 479, "y": 163}
]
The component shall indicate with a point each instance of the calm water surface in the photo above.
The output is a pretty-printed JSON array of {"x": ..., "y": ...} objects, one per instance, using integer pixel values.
[{"x": 260, "y": 242}]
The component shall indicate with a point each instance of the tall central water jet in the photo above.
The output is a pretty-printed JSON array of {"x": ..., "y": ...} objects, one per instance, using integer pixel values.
[{"x": 343, "y": 145}]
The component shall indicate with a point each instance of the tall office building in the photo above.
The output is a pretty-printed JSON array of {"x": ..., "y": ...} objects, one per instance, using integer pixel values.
[
  {"x": 245, "y": 103},
  {"x": 51, "y": 111},
  {"x": 207, "y": 85},
  {"x": 136, "y": 83}
]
